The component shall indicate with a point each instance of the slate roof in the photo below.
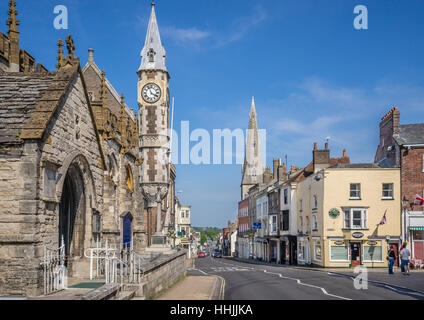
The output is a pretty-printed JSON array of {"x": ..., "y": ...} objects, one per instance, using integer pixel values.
[
  {"x": 357, "y": 165},
  {"x": 19, "y": 94},
  {"x": 28, "y": 102},
  {"x": 410, "y": 134},
  {"x": 310, "y": 167}
]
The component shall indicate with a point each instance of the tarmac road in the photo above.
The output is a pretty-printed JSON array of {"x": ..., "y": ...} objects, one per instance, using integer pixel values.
[{"x": 245, "y": 281}]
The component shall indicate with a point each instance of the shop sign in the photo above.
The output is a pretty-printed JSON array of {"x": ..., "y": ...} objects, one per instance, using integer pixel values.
[
  {"x": 339, "y": 243},
  {"x": 257, "y": 225},
  {"x": 334, "y": 213},
  {"x": 357, "y": 235},
  {"x": 372, "y": 243}
]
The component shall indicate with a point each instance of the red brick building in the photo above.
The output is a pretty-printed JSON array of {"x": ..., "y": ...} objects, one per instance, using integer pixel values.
[
  {"x": 243, "y": 229},
  {"x": 403, "y": 146}
]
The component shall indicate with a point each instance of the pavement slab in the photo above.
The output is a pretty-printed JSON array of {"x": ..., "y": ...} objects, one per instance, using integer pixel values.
[{"x": 192, "y": 288}]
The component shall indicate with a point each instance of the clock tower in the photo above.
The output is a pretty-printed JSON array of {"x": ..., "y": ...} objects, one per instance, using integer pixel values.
[{"x": 153, "y": 102}]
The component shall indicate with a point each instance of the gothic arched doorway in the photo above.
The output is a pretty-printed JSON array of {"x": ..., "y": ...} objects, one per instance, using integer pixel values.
[{"x": 72, "y": 214}]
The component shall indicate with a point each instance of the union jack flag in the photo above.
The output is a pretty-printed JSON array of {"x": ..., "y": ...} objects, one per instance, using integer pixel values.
[
  {"x": 419, "y": 200},
  {"x": 384, "y": 220}
]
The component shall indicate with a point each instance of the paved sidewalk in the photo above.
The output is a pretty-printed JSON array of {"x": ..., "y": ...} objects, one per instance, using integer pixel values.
[
  {"x": 194, "y": 288},
  {"x": 415, "y": 281}
]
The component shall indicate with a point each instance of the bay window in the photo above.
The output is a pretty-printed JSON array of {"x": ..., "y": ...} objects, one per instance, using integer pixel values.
[{"x": 355, "y": 218}]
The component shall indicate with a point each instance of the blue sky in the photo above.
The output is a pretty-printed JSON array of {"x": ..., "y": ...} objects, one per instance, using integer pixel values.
[{"x": 312, "y": 74}]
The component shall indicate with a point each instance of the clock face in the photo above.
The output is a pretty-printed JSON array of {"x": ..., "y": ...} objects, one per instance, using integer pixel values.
[{"x": 151, "y": 93}]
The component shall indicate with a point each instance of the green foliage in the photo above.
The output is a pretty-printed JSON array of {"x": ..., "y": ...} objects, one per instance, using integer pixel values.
[
  {"x": 202, "y": 238},
  {"x": 206, "y": 233}
]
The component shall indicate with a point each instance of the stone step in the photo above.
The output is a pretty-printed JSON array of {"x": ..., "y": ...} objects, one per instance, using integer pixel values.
[{"x": 125, "y": 295}]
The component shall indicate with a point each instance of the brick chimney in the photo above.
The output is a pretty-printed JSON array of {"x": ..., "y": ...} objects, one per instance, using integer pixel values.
[
  {"x": 321, "y": 158},
  {"x": 267, "y": 175},
  {"x": 292, "y": 169},
  {"x": 276, "y": 164}
]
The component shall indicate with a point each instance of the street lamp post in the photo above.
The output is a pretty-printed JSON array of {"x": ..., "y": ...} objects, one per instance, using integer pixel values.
[{"x": 405, "y": 203}]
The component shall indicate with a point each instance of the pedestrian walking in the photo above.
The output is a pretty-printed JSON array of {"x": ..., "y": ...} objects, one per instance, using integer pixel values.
[
  {"x": 404, "y": 256},
  {"x": 391, "y": 256}
]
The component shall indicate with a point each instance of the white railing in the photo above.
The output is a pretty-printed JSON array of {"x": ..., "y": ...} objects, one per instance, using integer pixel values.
[
  {"x": 121, "y": 265},
  {"x": 55, "y": 273}
]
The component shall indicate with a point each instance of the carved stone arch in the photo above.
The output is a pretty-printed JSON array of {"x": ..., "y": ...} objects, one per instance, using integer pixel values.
[
  {"x": 113, "y": 168},
  {"x": 77, "y": 157}
]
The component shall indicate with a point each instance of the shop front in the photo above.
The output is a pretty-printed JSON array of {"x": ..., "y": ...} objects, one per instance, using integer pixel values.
[
  {"x": 417, "y": 241},
  {"x": 351, "y": 253}
]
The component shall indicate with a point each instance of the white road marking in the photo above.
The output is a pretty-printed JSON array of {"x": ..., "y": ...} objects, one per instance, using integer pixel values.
[{"x": 308, "y": 285}]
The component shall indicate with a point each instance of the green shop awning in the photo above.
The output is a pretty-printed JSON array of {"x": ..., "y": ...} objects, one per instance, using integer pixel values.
[{"x": 416, "y": 228}]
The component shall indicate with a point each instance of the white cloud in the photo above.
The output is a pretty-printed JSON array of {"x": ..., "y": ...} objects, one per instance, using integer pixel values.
[{"x": 185, "y": 35}]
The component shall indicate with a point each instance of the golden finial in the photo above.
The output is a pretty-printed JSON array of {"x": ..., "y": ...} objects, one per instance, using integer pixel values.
[
  {"x": 12, "y": 22},
  {"x": 60, "y": 55}
]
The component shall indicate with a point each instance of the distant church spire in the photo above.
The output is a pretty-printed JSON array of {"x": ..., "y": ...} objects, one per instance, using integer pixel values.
[
  {"x": 253, "y": 168},
  {"x": 153, "y": 55}
]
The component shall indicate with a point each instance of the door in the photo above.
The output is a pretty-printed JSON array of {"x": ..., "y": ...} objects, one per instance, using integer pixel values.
[
  {"x": 418, "y": 250},
  {"x": 355, "y": 254},
  {"x": 396, "y": 250},
  {"x": 283, "y": 252},
  {"x": 127, "y": 231}
]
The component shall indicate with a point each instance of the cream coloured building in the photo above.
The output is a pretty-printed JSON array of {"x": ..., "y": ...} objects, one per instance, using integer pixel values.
[{"x": 340, "y": 207}]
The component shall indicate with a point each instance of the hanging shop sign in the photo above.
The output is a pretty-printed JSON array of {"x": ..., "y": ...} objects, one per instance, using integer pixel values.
[{"x": 334, "y": 213}]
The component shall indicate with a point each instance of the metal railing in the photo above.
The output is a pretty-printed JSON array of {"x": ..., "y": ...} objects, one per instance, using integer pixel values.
[
  {"x": 54, "y": 269},
  {"x": 122, "y": 265}
]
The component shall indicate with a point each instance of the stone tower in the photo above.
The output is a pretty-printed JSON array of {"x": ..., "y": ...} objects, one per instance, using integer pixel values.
[
  {"x": 153, "y": 102},
  {"x": 253, "y": 168}
]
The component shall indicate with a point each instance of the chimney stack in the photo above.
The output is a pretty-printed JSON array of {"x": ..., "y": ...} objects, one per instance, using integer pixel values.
[
  {"x": 321, "y": 158},
  {"x": 276, "y": 164},
  {"x": 292, "y": 169},
  {"x": 344, "y": 153}
]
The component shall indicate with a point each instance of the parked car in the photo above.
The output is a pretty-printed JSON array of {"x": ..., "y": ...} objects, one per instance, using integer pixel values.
[
  {"x": 217, "y": 254},
  {"x": 201, "y": 254}
]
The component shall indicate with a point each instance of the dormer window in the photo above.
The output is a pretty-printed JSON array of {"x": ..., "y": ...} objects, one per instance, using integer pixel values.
[{"x": 151, "y": 55}]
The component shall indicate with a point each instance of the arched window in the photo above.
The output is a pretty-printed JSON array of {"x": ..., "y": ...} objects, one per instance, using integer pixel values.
[
  {"x": 129, "y": 179},
  {"x": 151, "y": 55}
]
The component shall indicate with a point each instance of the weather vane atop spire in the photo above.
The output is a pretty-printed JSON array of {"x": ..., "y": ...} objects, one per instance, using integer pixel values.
[{"x": 153, "y": 3}]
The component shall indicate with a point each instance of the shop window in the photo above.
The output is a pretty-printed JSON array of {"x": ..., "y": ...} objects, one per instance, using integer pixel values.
[
  {"x": 315, "y": 203},
  {"x": 355, "y": 191},
  {"x": 373, "y": 253},
  {"x": 301, "y": 224},
  {"x": 338, "y": 252},
  {"x": 388, "y": 191},
  {"x": 301, "y": 251},
  {"x": 317, "y": 250},
  {"x": 286, "y": 196}
]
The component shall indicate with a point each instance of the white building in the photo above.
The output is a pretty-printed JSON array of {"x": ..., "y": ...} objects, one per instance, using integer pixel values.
[
  {"x": 183, "y": 225},
  {"x": 261, "y": 245}
]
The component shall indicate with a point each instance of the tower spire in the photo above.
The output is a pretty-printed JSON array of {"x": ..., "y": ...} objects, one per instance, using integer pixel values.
[{"x": 153, "y": 55}]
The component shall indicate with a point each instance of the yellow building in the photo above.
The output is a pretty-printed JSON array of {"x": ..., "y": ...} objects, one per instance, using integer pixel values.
[{"x": 340, "y": 208}]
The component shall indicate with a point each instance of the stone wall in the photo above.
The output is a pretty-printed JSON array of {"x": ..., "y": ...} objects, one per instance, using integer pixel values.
[{"x": 164, "y": 273}]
